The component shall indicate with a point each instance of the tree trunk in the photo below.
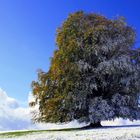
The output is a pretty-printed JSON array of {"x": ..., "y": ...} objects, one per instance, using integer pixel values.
[{"x": 93, "y": 125}]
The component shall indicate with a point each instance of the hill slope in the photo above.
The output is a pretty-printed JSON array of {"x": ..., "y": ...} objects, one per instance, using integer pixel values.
[{"x": 105, "y": 133}]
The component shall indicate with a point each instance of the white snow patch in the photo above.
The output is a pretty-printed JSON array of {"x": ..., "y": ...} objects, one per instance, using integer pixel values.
[{"x": 116, "y": 133}]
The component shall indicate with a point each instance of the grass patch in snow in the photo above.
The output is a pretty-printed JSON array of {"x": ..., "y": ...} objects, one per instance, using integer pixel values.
[{"x": 26, "y": 132}]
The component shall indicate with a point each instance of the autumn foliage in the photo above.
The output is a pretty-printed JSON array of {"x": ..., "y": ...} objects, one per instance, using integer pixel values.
[{"x": 94, "y": 73}]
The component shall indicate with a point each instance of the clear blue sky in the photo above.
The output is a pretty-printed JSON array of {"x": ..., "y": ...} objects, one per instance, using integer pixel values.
[{"x": 27, "y": 35}]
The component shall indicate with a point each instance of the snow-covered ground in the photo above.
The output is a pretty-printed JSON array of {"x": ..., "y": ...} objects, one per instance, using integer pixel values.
[{"x": 107, "y": 133}]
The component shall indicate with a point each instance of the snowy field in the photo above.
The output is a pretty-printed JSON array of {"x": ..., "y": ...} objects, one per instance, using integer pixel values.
[{"x": 106, "y": 133}]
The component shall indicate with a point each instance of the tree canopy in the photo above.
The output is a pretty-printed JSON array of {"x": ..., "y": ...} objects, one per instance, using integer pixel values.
[{"x": 94, "y": 73}]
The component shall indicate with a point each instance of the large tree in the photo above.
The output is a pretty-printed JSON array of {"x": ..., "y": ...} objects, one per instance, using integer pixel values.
[{"x": 94, "y": 73}]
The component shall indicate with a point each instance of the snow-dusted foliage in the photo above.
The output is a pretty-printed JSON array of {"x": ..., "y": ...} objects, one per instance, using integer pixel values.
[
  {"x": 94, "y": 74},
  {"x": 100, "y": 110}
]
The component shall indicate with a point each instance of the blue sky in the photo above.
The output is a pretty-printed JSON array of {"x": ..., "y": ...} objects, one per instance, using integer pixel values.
[{"x": 27, "y": 35}]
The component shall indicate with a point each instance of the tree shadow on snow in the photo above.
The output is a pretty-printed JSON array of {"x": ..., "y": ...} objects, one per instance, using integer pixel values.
[{"x": 107, "y": 127}]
